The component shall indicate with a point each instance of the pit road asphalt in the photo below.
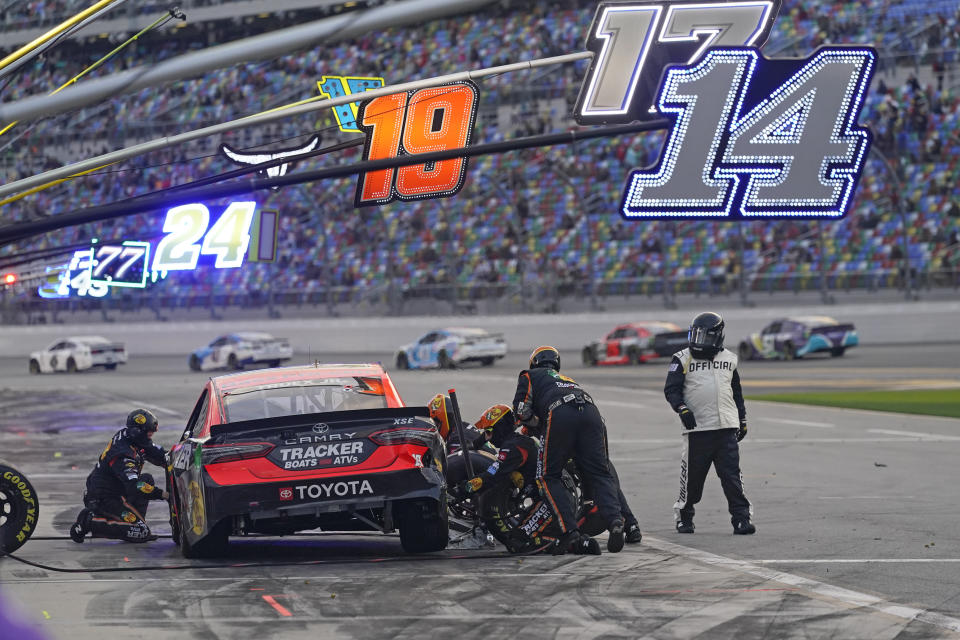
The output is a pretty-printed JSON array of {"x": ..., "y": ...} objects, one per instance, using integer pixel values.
[{"x": 856, "y": 514}]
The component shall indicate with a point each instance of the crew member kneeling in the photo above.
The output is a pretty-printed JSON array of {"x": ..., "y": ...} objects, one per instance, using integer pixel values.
[{"x": 118, "y": 492}]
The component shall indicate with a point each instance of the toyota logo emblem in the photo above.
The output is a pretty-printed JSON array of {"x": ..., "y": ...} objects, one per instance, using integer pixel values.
[{"x": 322, "y": 427}]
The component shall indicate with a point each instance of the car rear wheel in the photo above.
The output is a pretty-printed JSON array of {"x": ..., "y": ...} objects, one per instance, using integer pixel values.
[
  {"x": 423, "y": 525},
  {"x": 588, "y": 357},
  {"x": 71, "y": 365},
  {"x": 19, "y": 508},
  {"x": 402, "y": 362},
  {"x": 444, "y": 360},
  {"x": 744, "y": 351},
  {"x": 110, "y": 367},
  {"x": 34, "y": 367},
  {"x": 195, "y": 363},
  {"x": 836, "y": 352},
  {"x": 633, "y": 357},
  {"x": 274, "y": 364},
  {"x": 213, "y": 545},
  {"x": 487, "y": 361},
  {"x": 233, "y": 363}
]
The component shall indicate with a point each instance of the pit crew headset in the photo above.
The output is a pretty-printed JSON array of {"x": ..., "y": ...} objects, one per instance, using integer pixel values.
[{"x": 141, "y": 424}]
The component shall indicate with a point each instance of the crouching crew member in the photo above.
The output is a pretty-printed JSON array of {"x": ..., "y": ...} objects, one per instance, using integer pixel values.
[
  {"x": 118, "y": 492},
  {"x": 703, "y": 387},
  {"x": 516, "y": 459},
  {"x": 571, "y": 427}
]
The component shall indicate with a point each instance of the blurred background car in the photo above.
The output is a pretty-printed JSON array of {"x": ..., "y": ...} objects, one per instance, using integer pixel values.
[
  {"x": 634, "y": 343},
  {"x": 448, "y": 348},
  {"x": 77, "y": 354},
  {"x": 795, "y": 337},
  {"x": 237, "y": 350}
]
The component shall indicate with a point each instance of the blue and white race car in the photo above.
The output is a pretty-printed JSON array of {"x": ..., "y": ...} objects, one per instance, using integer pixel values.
[
  {"x": 448, "y": 348},
  {"x": 236, "y": 350}
]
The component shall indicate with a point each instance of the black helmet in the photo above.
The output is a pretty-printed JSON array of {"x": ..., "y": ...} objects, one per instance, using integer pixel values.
[
  {"x": 545, "y": 357},
  {"x": 706, "y": 335},
  {"x": 140, "y": 424}
]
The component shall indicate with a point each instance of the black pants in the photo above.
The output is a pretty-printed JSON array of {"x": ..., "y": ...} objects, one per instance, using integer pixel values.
[
  {"x": 117, "y": 518},
  {"x": 577, "y": 431},
  {"x": 589, "y": 517},
  {"x": 700, "y": 450}
]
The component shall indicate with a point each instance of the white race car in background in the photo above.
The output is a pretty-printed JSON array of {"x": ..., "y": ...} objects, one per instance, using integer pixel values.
[
  {"x": 77, "y": 354},
  {"x": 236, "y": 350},
  {"x": 447, "y": 348}
]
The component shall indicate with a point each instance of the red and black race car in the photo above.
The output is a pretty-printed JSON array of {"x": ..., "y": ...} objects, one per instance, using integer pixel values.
[
  {"x": 277, "y": 451},
  {"x": 633, "y": 343}
]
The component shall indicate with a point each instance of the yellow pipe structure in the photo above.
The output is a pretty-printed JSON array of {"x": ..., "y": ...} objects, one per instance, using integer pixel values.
[
  {"x": 56, "y": 31},
  {"x": 43, "y": 187}
]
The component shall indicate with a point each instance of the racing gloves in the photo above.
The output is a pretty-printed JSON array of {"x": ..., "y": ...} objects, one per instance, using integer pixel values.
[
  {"x": 742, "y": 431},
  {"x": 466, "y": 488},
  {"x": 686, "y": 417}
]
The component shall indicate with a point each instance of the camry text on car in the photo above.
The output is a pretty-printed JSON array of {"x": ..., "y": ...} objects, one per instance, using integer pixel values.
[{"x": 275, "y": 451}]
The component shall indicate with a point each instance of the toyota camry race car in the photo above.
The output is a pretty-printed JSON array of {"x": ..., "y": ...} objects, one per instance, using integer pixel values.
[
  {"x": 236, "y": 350},
  {"x": 633, "y": 343},
  {"x": 789, "y": 338},
  {"x": 447, "y": 348},
  {"x": 277, "y": 451},
  {"x": 78, "y": 353}
]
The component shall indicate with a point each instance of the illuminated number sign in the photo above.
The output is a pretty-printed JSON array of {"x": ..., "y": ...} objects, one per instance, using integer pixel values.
[
  {"x": 338, "y": 86},
  {"x": 187, "y": 237},
  {"x": 433, "y": 119},
  {"x": 751, "y": 137},
  {"x": 120, "y": 266}
]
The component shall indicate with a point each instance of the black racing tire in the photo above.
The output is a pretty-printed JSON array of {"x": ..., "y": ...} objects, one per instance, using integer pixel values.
[
  {"x": 233, "y": 363},
  {"x": 789, "y": 351},
  {"x": 195, "y": 364},
  {"x": 443, "y": 360},
  {"x": 110, "y": 367},
  {"x": 213, "y": 545},
  {"x": 174, "y": 508},
  {"x": 402, "y": 362},
  {"x": 423, "y": 524},
  {"x": 744, "y": 351},
  {"x": 837, "y": 352},
  {"x": 71, "y": 365},
  {"x": 633, "y": 357},
  {"x": 274, "y": 364},
  {"x": 34, "y": 367},
  {"x": 589, "y": 358},
  {"x": 487, "y": 361},
  {"x": 19, "y": 509}
]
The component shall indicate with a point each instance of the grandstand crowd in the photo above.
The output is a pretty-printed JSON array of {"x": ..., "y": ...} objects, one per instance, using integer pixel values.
[{"x": 545, "y": 215}]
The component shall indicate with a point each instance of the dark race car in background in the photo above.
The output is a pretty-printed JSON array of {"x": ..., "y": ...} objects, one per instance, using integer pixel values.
[
  {"x": 278, "y": 451},
  {"x": 795, "y": 337},
  {"x": 634, "y": 343}
]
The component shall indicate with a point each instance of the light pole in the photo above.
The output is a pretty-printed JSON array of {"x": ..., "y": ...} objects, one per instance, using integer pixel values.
[{"x": 905, "y": 242}]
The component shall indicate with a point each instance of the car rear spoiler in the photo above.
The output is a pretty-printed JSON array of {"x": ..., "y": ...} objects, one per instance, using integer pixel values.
[
  {"x": 330, "y": 418},
  {"x": 668, "y": 343},
  {"x": 833, "y": 328}
]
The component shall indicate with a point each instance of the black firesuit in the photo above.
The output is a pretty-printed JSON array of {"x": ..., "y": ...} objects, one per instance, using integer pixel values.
[
  {"x": 710, "y": 389},
  {"x": 571, "y": 427},
  {"x": 118, "y": 492},
  {"x": 518, "y": 454}
]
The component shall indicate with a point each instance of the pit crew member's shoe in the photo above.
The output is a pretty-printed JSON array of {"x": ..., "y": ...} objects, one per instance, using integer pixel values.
[
  {"x": 81, "y": 527},
  {"x": 634, "y": 535},
  {"x": 615, "y": 540},
  {"x": 684, "y": 527},
  {"x": 586, "y": 546},
  {"x": 743, "y": 528}
]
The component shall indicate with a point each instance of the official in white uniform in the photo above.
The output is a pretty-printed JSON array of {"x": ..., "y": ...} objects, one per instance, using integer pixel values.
[{"x": 703, "y": 387}]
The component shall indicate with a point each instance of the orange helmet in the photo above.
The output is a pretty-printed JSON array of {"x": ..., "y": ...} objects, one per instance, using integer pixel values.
[
  {"x": 440, "y": 412},
  {"x": 499, "y": 421}
]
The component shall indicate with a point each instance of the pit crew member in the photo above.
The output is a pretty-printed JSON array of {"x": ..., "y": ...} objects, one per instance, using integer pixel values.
[
  {"x": 118, "y": 492},
  {"x": 703, "y": 387},
  {"x": 572, "y": 427}
]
